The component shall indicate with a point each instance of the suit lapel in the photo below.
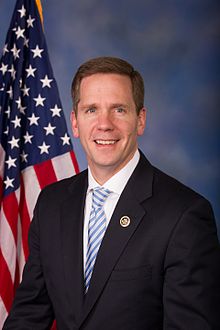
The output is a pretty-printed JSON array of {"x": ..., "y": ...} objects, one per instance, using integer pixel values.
[
  {"x": 72, "y": 215},
  {"x": 116, "y": 237}
]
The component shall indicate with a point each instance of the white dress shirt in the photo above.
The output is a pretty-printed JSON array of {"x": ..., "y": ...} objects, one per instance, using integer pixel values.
[{"x": 116, "y": 184}]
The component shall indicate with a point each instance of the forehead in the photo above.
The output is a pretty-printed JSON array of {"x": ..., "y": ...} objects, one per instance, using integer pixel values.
[{"x": 104, "y": 82}]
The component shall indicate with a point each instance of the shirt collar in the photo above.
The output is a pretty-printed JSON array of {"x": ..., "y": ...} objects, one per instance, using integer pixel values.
[{"x": 118, "y": 181}]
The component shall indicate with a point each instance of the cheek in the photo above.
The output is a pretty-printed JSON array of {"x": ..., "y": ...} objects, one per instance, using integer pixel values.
[
  {"x": 128, "y": 128},
  {"x": 83, "y": 132}
]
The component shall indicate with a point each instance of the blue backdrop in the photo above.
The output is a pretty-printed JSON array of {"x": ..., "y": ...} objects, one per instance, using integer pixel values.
[{"x": 175, "y": 45}]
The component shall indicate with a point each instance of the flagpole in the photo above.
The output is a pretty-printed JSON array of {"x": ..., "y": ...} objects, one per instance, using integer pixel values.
[{"x": 40, "y": 10}]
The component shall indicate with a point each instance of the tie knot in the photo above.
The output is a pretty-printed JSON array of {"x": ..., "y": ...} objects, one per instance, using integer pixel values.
[{"x": 100, "y": 195}]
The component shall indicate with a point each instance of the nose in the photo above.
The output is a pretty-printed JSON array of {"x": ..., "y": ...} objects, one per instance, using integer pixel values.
[{"x": 105, "y": 122}]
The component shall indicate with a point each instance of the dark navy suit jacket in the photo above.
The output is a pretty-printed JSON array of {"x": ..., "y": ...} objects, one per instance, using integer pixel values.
[{"x": 160, "y": 272}]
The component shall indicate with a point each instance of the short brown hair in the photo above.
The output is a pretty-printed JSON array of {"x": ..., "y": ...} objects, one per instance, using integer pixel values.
[{"x": 109, "y": 65}]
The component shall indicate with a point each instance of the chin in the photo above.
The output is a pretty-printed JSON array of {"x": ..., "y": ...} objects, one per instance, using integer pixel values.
[{"x": 106, "y": 162}]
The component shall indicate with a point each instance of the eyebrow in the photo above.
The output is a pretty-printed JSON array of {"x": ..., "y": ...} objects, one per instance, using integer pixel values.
[
  {"x": 86, "y": 106},
  {"x": 95, "y": 105},
  {"x": 118, "y": 105}
]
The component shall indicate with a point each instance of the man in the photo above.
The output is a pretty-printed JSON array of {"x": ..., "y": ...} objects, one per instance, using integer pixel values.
[{"x": 152, "y": 261}]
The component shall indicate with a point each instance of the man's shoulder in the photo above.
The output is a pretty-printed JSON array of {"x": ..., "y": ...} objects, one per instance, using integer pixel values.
[
  {"x": 61, "y": 188},
  {"x": 170, "y": 199},
  {"x": 166, "y": 187}
]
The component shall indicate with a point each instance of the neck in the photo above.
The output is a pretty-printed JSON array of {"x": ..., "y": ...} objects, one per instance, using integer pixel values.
[
  {"x": 102, "y": 176},
  {"x": 103, "y": 173}
]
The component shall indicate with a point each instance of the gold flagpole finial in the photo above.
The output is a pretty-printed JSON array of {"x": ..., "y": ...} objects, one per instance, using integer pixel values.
[{"x": 39, "y": 6}]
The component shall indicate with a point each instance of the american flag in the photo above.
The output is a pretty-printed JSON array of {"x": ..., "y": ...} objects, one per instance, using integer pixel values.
[{"x": 35, "y": 148}]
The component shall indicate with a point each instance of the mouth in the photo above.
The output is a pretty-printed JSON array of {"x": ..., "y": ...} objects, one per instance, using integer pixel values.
[{"x": 106, "y": 142}]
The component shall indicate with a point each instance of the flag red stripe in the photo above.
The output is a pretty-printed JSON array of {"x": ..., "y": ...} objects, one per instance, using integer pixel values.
[
  {"x": 45, "y": 173},
  {"x": 75, "y": 163},
  {"x": 25, "y": 219},
  {"x": 10, "y": 207},
  {"x": 6, "y": 284}
]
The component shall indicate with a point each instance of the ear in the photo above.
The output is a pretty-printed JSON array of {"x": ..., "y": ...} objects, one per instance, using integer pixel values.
[
  {"x": 141, "y": 121},
  {"x": 74, "y": 124}
]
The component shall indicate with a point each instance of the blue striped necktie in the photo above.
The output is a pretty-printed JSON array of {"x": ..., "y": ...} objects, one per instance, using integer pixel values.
[{"x": 96, "y": 231}]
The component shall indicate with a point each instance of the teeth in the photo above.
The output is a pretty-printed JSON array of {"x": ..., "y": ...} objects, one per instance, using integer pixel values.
[{"x": 105, "y": 142}]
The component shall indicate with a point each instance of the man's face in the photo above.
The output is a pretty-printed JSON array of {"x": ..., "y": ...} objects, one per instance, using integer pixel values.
[{"x": 107, "y": 123}]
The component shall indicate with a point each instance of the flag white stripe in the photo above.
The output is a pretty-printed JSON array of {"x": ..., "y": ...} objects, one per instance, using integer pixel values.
[
  {"x": 2, "y": 158},
  {"x": 20, "y": 250},
  {"x": 3, "y": 313},
  {"x": 8, "y": 245},
  {"x": 63, "y": 166},
  {"x": 31, "y": 188}
]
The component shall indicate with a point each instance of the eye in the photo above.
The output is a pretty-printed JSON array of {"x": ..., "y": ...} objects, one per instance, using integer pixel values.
[
  {"x": 120, "y": 110},
  {"x": 90, "y": 110}
]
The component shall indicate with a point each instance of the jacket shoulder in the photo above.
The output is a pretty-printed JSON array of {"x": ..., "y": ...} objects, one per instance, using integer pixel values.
[
  {"x": 59, "y": 190},
  {"x": 166, "y": 185},
  {"x": 167, "y": 192}
]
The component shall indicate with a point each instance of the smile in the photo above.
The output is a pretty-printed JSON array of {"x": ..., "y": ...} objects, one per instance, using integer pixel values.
[{"x": 106, "y": 142}]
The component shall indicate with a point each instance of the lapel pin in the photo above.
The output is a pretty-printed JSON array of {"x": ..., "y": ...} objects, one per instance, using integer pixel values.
[{"x": 125, "y": 221}]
